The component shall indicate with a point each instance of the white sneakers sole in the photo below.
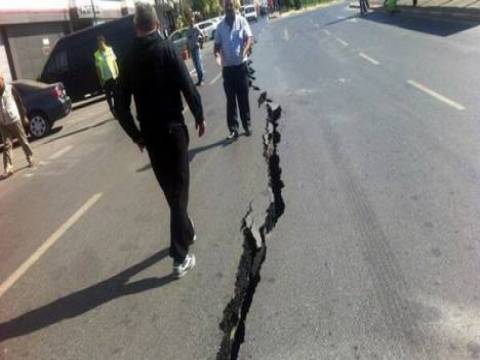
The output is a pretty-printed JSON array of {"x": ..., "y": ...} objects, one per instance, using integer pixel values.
[{"x": 181, "y": 270}]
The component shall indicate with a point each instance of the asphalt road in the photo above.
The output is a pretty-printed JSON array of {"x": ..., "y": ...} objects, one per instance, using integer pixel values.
[{"x": 376, "y": 255}]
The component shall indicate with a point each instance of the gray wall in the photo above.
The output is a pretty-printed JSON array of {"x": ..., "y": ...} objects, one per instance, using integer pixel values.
[{"x": 27, "y": 45}]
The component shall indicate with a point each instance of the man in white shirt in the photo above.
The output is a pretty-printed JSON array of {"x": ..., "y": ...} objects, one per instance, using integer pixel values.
[
  {"x": 12, "y": 117},
  {"x": 233, "y": 41}
]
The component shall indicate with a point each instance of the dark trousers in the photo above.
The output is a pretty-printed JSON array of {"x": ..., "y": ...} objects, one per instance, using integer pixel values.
[
  {"x": 235, "y": 82},
  {"x": 363, "y": 6},
  {"x": 109, "y": 88},
  {"x": 169, "y": 158}
]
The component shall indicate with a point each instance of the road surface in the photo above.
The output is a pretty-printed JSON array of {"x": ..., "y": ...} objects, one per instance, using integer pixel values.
[{"x": 376, "y": 255}]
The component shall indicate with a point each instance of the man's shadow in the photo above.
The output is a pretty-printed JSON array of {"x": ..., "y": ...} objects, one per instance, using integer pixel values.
[
  {"x": 85, "y": 300},
  {"x": 193, "y": 152}
]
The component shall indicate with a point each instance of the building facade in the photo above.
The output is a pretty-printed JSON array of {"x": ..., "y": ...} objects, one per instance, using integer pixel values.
[{"x": 29, "y": 29}]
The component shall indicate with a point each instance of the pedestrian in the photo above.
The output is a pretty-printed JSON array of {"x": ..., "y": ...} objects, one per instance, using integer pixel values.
[
  {"x": 107, "y": 70},
  {"x": 12, "y": 119},
  {"x": 363, "y": 7},
  {"x": 194, "y": 43},
  {"x": 233, "y": 41},
  {"x": 156, "y": 76}
]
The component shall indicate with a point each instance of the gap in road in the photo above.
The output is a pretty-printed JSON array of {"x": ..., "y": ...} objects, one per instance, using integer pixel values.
[{"x": 235, "y": 314}]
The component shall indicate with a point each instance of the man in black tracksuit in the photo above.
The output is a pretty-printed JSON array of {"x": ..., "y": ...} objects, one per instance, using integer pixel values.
[{"x": 156, "y": 76}]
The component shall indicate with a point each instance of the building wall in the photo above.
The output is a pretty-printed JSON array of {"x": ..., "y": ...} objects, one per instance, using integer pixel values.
[
  {"x": 4, "y": 66},
  {"x": 31, "y": 44}
]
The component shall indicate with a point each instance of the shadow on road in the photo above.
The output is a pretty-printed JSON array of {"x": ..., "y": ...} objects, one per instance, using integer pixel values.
[
  {"x": 78, "y": 131},
  {"x": 193, "y": 152},
  {"x": 420, "y": 23},
  {"x": 82, "y": 301},
  {"x": 89, "y": 102}
]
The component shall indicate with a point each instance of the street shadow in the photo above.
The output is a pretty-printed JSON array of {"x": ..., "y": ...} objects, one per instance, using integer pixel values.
[
  {"x": 193, "y": 152},
  {"x": 79, "y": 131},
  {"x": 82, "y": 301},
  {"x": 356, "y": 16},
  {"x": 424, "y": 24},
  {"x": 86, "y": 103}
]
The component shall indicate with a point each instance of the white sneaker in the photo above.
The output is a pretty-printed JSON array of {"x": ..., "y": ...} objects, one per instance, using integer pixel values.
[
  {"x": 180, "y": 270},
  {"x": 30, "y": 161}
]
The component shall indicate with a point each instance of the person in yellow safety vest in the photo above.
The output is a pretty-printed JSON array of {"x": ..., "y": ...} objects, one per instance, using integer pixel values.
[{"x": 107, "y": 70}]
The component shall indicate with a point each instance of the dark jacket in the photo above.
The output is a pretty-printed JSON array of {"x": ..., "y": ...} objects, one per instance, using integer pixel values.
[{"x": 156, "y": 76}]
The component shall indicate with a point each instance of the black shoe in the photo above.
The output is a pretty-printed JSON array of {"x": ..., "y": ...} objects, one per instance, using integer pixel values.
[
  {"x": 248, "y": 132},
  {"x": 199, "y": 83},
  {"x": 233, "y": 135}
]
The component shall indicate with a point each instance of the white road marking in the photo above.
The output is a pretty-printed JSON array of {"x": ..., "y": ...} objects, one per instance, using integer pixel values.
[
  {"x": 286, "y": 35},
  {"x": 61, "y": 152},
  {"x": 344, "y": 43},
  {"x": 352, "y": 20},
  {"x": 215, "y": 79},
  {"x": 327, "y": 32},
  {"x": 436, "y": 95},
  {"x": 368, "y": 58},
  {"x": 29, "y": 175},
  {"x": 12, "y": 279}
]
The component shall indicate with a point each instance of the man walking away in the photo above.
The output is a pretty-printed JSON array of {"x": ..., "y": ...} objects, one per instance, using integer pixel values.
[
  {"x": 194, "y": 39},
  {"x": 12, "y": 118},
  {"x": 233, "y": 40},
  {"x": 363, "y": 7},
  {"x": 107, "y": 70},
  {"x": 156, "y": 77}
]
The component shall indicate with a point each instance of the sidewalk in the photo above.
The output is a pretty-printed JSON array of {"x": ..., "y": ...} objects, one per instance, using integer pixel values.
[{"x": 468, "y": 10}]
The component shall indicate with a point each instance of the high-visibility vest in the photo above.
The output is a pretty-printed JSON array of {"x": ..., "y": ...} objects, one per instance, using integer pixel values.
[{"x": 111, "y": 62}]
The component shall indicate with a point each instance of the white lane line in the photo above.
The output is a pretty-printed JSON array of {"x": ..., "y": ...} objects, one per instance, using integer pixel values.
[
  {"x": 368, "y": 58},
  {"x": 215, "y": 79},
  {"x": 344, "y": 43},
  {"x": 352, "y": 20},
  {"x": 12, "y": 279},
  {"x": 327, "y": 32},
  {"x": 286, "y": 35},
  {"x": 436, "y": 95},
  {"x": 61, "y": 152}
]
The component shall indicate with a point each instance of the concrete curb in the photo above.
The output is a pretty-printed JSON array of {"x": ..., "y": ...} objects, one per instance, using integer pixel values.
[
  {"x": 471, "y": 15},
  {"x": 466, "y": 15},
  {"x": 287, "y": 14}
]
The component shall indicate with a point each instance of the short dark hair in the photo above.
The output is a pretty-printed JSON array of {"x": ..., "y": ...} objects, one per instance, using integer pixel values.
[
  {"x": 101, "y": 38},
  {"x": 145, "y": 18}
]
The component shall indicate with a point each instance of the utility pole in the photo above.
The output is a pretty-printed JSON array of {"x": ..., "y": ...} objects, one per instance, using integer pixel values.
[{"x": 94, "y": 12}]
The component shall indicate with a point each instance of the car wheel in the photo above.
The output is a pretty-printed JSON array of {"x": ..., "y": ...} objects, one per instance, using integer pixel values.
[{"x": 39, "y": 125}]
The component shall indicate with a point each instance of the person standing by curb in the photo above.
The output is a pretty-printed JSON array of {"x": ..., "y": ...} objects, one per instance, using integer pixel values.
[
  {"x": 194, "y": 40},
  {"x": 156, "y": 76},
  {"x": 233, "y": 41},
  {"x": 107, "y": 70},
  {"x": 12, "y": 117}
]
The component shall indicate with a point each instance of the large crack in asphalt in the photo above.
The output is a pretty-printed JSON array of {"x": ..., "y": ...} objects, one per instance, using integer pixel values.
[{"x": 254, "y": 237}]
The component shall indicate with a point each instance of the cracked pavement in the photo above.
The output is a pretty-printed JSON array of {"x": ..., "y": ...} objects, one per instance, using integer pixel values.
[{"x": 346, "y": 230}]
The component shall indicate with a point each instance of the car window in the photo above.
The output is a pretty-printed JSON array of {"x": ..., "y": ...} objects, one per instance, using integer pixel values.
[{"x": 58, "y": 62}]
